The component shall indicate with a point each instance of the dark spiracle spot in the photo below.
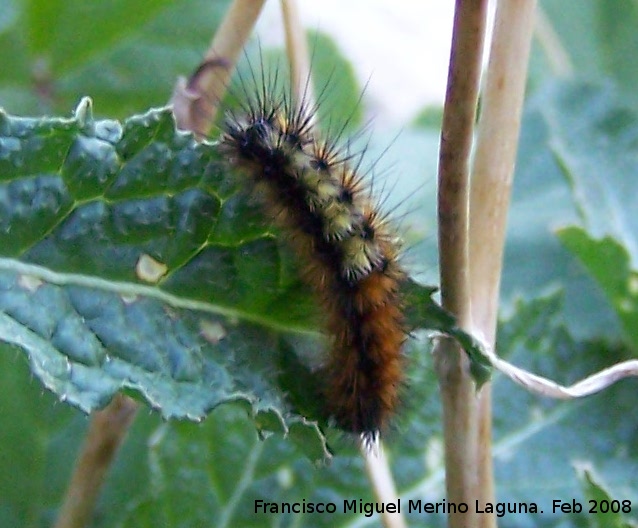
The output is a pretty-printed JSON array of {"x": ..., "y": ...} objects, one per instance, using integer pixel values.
[
  {"x": 367, "y": 231},
  {"x": 319, "y": 164},
  {"x": 384, "y": 264},
  {"x": 293, "y": 140},
  {"x": 346, "y": 196}
]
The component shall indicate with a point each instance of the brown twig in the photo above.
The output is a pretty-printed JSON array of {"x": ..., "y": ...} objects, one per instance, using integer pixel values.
[
  {"x": 297, "y": 51},
  {"x": 106, "y": 432},
  {"x": 458, "y": 391},
  {"x": 196, "y": 100}
]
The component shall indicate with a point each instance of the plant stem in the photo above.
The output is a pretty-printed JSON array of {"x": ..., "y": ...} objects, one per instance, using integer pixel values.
[
  {"x": 454, "y": 156},
  {"x": 298, "y": 56},
  {"x": 195, "y": 102},
  {"x": 107, "y": 430},
  {"x": 495, "y": 157},
  {"x": 458, "y": 393},
  {"x": 492, "y": 173},
  {"x": 378, "y": 470}
]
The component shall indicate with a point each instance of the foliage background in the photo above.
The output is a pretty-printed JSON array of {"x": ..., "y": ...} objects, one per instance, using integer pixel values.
[{"x": 569, "y": 296}]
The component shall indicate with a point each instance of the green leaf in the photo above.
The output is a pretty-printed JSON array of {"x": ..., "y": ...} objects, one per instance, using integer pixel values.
[
  {"x": 30, "y": 480},
  {"x": 40, "y": 439},
  {"x": 577, "y": 30},
  {"x": 599, "y": 256},
  {"x": 335, "y": 83},
  {"x": 596, "y": 37},
  {"x": 538, "y": 440},
  {"x": 566, "y": 327},
  {"x": 604, "y": 509},
  {"x": 127, "y": 55},
  {"x": 618, "y": 42},
  {"x": 90, "y": 212},
  {"x": 535, "y": 262},
  {"x": 593, "y": 134},
  {"x": 218, "y": 469},
  {"x": 197, "y": 325},
  {"x": 131, "y": 262}
]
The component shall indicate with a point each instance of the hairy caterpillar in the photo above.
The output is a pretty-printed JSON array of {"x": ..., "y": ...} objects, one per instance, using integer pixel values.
[{"x": 316, "y": 194}]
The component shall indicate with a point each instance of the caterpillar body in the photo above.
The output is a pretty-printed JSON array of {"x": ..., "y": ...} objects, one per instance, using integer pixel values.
[{"x": 319, "y": 198}]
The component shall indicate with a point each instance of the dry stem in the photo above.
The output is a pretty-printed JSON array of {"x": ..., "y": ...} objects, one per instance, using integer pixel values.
[
  {"x": 492, "y": 172},
  {"x": 460, "y": 411},
  {"x": 106, "y": 433},
  {"x": 298, "y": 56},
  {"x": 378, "y": 470},
  {"x": 195, "y": 102}
]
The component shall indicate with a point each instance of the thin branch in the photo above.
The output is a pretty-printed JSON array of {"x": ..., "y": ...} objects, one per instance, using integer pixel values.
[
  {"x": 460, "y": 419},
  {"x": 195, "y": 101},
  {"x": 105, "y": 435},
  {"x": 378, "y": 470},
  {"x": 454, "y": 155},
  {"x": 497, "y": 140},
  {"x": 298, "y": 55},
  {"x": 492, "y": 173}
]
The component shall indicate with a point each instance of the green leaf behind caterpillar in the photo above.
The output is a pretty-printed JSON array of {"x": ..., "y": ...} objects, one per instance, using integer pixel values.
[{"x": 227, "y": 319}]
